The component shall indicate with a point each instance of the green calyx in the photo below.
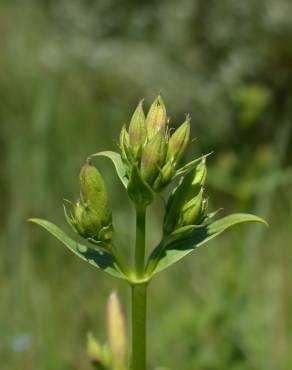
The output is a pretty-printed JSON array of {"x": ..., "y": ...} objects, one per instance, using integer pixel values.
[
  {"x": 186, "y": 204},
  {"x": 149, "y": 153},
  {"x": 156, "y": 118},
  {"x": 193, "y": 211},
  {"x": 137, "y": 131},
  {"x": 153, "y": 157},
  {"x": 178, "y": 141},
  {"x": 90, "y": 216}
]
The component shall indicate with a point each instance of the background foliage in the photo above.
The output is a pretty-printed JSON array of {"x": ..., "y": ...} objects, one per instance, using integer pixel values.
[{"x": 71, "y": 73}]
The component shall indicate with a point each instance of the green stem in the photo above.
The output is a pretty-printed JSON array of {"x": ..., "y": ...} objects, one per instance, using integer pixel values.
[
  {"x": 139, "y": 326},
  {"x": 139, "y": 291},
  {"x": 140, "y": 241}
]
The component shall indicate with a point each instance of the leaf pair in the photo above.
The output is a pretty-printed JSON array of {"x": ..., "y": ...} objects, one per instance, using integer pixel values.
[{"x": 171, "y": 249}]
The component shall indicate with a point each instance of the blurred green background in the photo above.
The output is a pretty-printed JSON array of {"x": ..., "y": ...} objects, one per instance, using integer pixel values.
[{"x": 71, "y": 73}]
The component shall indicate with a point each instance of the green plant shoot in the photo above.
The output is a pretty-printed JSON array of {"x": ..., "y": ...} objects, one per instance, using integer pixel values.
[{"x": 146, "y": 163}]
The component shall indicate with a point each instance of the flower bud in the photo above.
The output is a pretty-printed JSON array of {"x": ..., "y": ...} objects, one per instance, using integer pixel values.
[
  {"x": 156, "y": 118},
  {"x": 125, "y": 145},
  {"x": 87, "y": 222},
  {"x": 92, "y": 218},
  {"x": 193, "y": 211},
  {"x": 153, "y": 157},
  {"x": 165, "y": 175},
  {"x": 93, "y": 190},
  {"x": 179, "y": 141},
  {"x": 137, "y": 130},
  {"x": 185, "y": 192},
  {"x": 116, "y": 333},
  {"x": 200, "y": 174}
]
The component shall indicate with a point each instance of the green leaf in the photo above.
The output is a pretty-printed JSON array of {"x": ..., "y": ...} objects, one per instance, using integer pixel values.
[
  {"x": 183, "y": 241},
  {"x": 118, "y": 163},
  {"x": 189, "y": 166},
  {"x": 97, "y": 258}
]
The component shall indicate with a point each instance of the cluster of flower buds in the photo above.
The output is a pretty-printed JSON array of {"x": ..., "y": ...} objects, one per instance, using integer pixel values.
[
  {"x": 187, "y": 204},
  {"x": 149, "y": 153},
  {"x": 91, "y": 217}
]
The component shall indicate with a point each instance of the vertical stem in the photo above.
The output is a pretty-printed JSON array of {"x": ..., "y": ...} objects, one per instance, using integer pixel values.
[
  {"x": 140, "y": 241},
  {"x": 139, "y": 326},
  {"x": 139, "y": 296}
]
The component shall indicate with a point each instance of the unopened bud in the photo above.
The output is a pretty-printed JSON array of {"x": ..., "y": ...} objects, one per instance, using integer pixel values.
[
  {"x": 125, "y": 145},
  {"x": 92, "y": 218},
  {"x": 178, "y": 141},
  {"x": 165, "y": 176},
  {"x": 193, "y": 211},
  {"x": 116, "y": 333},
  {"x": 186, "y": 190},
  {"x": 92, "y": 187},
  {"x": 77, "y": 220},
  {"x": 153, "y": 157},
  {"x": 137, "y": 131},
  {"x": 87, "y": 222},
  {"x": 200, "y": 174},
  {"x": 156, "y": 118}
]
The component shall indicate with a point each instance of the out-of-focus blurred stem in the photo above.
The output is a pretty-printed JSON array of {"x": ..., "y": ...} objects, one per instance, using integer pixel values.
[{"x": 139, "y": 292}]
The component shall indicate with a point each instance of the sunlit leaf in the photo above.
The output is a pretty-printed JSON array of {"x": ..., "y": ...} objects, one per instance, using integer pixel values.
[
  {"x": 187, "y": 167},
  {"x": 118, "y": 163},
  {"x": 97, "y": 258},
  {"x": 185, "y": 240}
]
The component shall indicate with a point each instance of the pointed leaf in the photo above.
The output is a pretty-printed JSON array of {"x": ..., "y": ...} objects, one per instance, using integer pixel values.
[
  {"x": 189, "y": 166},
  {"x": 182, "y": 242},
  {"x": 97, "y": 258},
  {"x": 118, "y": 163}
]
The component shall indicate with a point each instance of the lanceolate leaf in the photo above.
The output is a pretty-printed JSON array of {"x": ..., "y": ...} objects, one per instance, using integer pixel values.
[
  {"x": 182, "y": 170},
  {"x": 97, "y": 258},
  {"x": 179, "y": 244},
  {"x": 118, "y": 163}
]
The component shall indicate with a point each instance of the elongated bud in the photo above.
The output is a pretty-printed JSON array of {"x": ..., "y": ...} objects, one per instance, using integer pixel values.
[
  {"x": 91, "y": 217},
  {"x": 200, "y": 174},
  {"x": 193, "y": 211},
  {"x": 92, "y": 187},
  {"x": 137, "y": 130},
  {"x": 116, "y": 333},
  {"x": 186, "y": 190},
  {"x": 153, "y": 157},
  {"x": 178, "y": 141},
  {"x": 125, "y": 145},
  {"x": 189, "y": 186},
  {"x": 165, "y": 175},
  {"x": 156, "y": 118},
  {"x": 93, "y": 192}
]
